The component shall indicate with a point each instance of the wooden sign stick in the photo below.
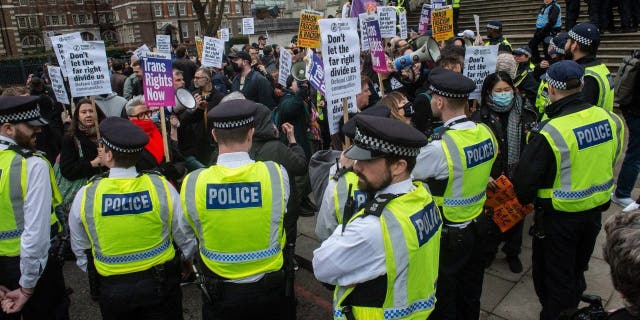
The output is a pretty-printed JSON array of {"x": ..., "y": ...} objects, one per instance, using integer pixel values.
[{"x": 165, "y": 143}]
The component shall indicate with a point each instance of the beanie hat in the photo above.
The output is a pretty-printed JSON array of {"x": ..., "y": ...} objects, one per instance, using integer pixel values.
[{"x": 505, "y": 62}]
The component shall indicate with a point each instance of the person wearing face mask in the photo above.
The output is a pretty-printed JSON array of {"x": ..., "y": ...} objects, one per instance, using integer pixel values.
[
  {"x": 510, "y": 118},
  {"x": 253, "y": 85}
]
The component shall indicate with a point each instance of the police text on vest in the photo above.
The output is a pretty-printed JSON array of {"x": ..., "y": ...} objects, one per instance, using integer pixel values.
[
  {"x": 127, "y": 203},
  {"x": 593, "y": 134},
  {"x": 234, "y": 195},
  {"x": 479, "y": 153},
  {"x": 426, "y": 221}
]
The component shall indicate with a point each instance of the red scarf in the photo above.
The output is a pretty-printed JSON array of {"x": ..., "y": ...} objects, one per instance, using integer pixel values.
[{"x": 155, "y": 145}]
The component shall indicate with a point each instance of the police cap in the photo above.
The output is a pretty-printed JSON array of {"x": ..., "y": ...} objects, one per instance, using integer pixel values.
[
  {"x": 378, "y": 137},
  {"x": 585, "y": 33},
  {"x": 121, "y": 135},
  {"x": 378, "y": 110},
  {"x": 450, "y": 84},
  {"x": 522, "y": 51},
  {"x": 495, "y": 25},
  {"x": 558, "y": 42},
  {"x": 16, "y": 109},
  {"x": 561, "y": 72},
  {"x": 233, "y": 114}
]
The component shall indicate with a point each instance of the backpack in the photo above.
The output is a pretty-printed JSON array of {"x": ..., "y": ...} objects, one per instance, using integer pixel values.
[{"x": 626, "y": 77}]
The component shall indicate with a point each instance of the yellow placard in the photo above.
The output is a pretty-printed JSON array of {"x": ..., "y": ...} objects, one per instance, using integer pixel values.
[
  {"x": 308, "y": 29},
  {"x": 199, "y": 46},
  {"x": 442, "y": 23}
]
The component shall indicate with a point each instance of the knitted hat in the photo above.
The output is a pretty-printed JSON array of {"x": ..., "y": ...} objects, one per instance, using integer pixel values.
[{"x": 505, "y": 62}]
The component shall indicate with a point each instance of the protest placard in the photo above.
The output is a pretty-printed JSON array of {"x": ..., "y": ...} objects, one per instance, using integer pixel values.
[
  {"x": 199, "y": 46},
  {"x": 378, "y": 58},
  {"x": 247, "y": 26},
  {"x": 308, "y": 29},
  {"x": 442, "y": 23},
  {"x": 163, "y": 43},
  {"x": 341, "y": 55},
  {"x": 363, "y": 18},
  {"x": 316, "y": 74},
  {"x": 285, "y": 66},
  {"x": 57, "y": 84},
  {"x": 425, "y": 19},
  {"x": 476, "y": 20},
  {"x": 507, "y": 210},
  {"x": 402, "y": 20},
  {"x": 335, "y": 114},
  {"x": 479, "y": 62},
  {"x": 141, "y": 51},
  {"x": 212, "y": 52},
  {"x": 224, "y": 34},
  {"x": 157, "y": 82},
  {"x": 438, "y": 3},
  {"x": 58, "y": 43},
  {"x": 88, "y": 69},
  {"x": 387, "y": 21}
]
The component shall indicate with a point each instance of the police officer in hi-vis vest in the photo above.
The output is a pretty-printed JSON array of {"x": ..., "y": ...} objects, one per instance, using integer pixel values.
[
  {"x": 582, "y": 47},
  {"x": 456, "y": 164},
  {"x": 384, "y": 261},
  {"x": 567, "y": 168},
  {"x": 31, "y": 283},
  {"x": 236, "y": 210},
  {"x": 123, "y": 229}
]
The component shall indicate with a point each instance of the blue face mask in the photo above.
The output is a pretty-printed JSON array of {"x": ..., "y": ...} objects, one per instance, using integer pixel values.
[{"x": 502, "y": 99}]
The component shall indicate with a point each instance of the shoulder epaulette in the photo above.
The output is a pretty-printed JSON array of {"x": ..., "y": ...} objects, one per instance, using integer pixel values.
[
  {"x": 437, "y": 133},
  {"x": 99, "y": 176},
  {"x": 340, "y": 172},
  {"x": 376, "y": 206},
  {"x": 154, "y": 172},
  {"x": 24, "y": 152}
]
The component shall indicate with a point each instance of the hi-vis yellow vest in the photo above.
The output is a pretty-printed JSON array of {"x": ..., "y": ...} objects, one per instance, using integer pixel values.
[
  {"x": 411, "y": 226},
  {"x": 470, "y": 154},
  {"x": 237, "y": 216},
  {"x": 128, "y": 221},
  {"x": 586, "y": 145},
  {"x": 602, "y": 75},
  {"x": 542, "y": 99},
  {"x": 341, "y": 194},
  {"x": 13, "y": 190}
]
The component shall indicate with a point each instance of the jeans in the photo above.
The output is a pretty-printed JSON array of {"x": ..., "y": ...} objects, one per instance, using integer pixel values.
[{"x": 631, "y": 164}]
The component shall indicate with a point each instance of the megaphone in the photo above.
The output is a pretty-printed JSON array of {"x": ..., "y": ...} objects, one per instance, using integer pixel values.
[
  {"x": 298, "y": 71},
  {"x": 184, "y": 100},
  {"x": 429, "y": 51}
]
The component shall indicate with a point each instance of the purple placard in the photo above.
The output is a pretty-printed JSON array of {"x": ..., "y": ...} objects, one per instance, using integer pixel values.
[
  {"x": 378, "y": 58},
  {"x": 425, "y": 19},
  {"x": 316, "y": 74},
  {"x": 157, "y": 82}
]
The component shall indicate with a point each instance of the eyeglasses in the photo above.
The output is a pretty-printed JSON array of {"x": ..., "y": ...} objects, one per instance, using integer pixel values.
[{"x": 143, "y": 115}]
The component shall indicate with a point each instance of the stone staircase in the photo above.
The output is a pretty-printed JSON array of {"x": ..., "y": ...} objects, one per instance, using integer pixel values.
[{"x": 519, "y": 17}]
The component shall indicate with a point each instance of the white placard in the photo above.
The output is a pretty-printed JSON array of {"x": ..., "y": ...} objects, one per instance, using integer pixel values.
[
  {"x": 247, "y": 26},
  {"x": 285, "y": 66},
  {"x": 437, "y": 3},
  {"x": 212, "y": 52},
  {"x": 387, "y": 21},
  {"x": 158, "y": 55},
  {"x": 341, "y": 55},
  {"x": 59, "y": 42},
  {"x": 362, "y": 19},
  {"x": 479, "y": 62},
  {"x": 224, "y": 34},
  {"x": 141, "y": 51},
  {"x": 334, "y": 109},
  {"x": 476, "y": 20},
  {"x": 88, "y": 69},
  {"x": 163, "y": 43},
  {"x": 402, "y": 19},
  {"x": 57, "y": 84}
]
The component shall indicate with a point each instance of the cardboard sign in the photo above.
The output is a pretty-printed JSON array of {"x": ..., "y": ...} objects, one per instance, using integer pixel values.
[
  {"x": 438, "y": 3},
  {"x": 57, "y": 84},
  {"x": 308, "y": 29},
  {"x": 89, "y": 71},
  {"x": 224, "y": 34},
  {"x": 199, "y": 46},
  {"x": 212, "y": 52},
  {"x": 58, "y": 43},
  {"x": 363, "y": 18},
  {"x": 507, "y": 210},
  {"x": 334, "y": 111},
  {"x": 341, "y": 55},
  {"x": 316, "y": 74},
  {"x": 402, "y": 19},
  {"x": 247, "y": 26},
  {"x": 479, "y": 62},
  {"x": 387, "y": 21},
  {"x": 163, "y": 43},
  {"x": 285, "y": 66},
  {"x": 442, "y": 23},
  {"x": 157, "y": 82},
  {"x": 425, "y": 19},
  {"x": 141, "y": 51},
  {"x": 378, "y": 57}
]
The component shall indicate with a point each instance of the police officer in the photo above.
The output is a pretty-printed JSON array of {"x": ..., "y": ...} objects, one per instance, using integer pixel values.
[
  {"x": 525, "y": 82},
  {"x": 495, "y": 37},
  {"x": 456, "y": 164},
  {"x": 582, "y": 47},
  {"x": 556, "y": 53},
  {"x": 122, "y": 231},
  {"x": 31, "y": 284},
  {"x": 400, "y": 228},
  {"x": 236, "y": 209},
  {"x": 568, "y": 167},
  {"x": 548, "y": 23}
]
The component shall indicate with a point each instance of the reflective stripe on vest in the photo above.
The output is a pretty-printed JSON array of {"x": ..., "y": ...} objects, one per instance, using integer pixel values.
[
  {"x": 456, "y": 4},
  {"x": 11, "y": 221},
  {"x": 543, "y": 17},
  {"x": 246, "y": 263},
  {"x": 584, "y": 140},
  {"x": 605, "y": 85},
  {"x": 106, "y": 263},
  {"x": 412, "y": 247}
]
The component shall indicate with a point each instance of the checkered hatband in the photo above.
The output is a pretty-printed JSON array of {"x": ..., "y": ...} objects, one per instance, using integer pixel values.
[
  {"x": 494, "y": 27},
  {"x": 118, "y": 149},
  {"x": 379, "y": 145},
  {"x": 28, "y": 115},
  {"x": 448, "y": 94},
  {"x": 233, "y": 124},
  {"x": 559, "y": 84},
  {"x": 558, "y": 49},
  {"x": 580, "y": 39}
]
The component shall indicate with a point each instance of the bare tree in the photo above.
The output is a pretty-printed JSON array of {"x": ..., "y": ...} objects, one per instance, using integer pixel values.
[{"x": 209, "y": 25}]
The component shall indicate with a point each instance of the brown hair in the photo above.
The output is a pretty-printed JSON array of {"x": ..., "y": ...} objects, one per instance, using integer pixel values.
[
  {"x": 392, "y": 101},
  {"x": 75, "y": 121}
]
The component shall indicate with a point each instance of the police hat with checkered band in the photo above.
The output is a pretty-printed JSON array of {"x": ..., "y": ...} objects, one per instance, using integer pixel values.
[
  {"x": 585, "y": 33},
  {"x": 122, "y": 135},
  {"x": 450, "y": 84},
  {"x": 377, "y": 137},
  {"x": 233, "y": 114},
  {"x": 562, "y": 72},
  {"x": 558, "y": 42},
  {"x": 495, "y": 25},
  {"x": 522, "y": 51},
  {"x": 16, "y": 109}
]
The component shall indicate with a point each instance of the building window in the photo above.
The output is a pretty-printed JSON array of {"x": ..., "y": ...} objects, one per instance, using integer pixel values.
[
  {"x": 87, "y": 36},
  {"x": 238, "y": 7},
  {"x": 56, "y": 20},
  {"x": 24, "y": 2},
  {"x": 129, "y": 16},
  {"x": 82, "y": 19},
  {"x": 157, "y": 10},
  {"x": 109, "y": 17},
  {"x": 27, "y": 21},
  {"x": 51, "y": 2},
  {"x": 31, "y": 42},
  {"x": 171, "y": 8},
  {"x": 206, "y": 10},
  {"x": 79, "y": 1},
  {"x": 182, "y": 9},
  {"x": 196, "y": 28},
  {"x": 110, "y": 35},
  {"x": 226, "y": 8},
  {"x": 185, "y": 30},
  {"x": 116, "y": 16}
]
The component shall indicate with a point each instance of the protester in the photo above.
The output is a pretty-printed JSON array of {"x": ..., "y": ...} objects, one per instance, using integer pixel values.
[
  {"x": 111, "y": 104},
  {"x": 251, "y": 83},
  {"x": 118, "y": 78},
  {"x": 153, "y": 154},
  {"x": 400, "y": 107},
  {"x": 184, "y": 64},
  {"x": 133, "y": 84}
]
